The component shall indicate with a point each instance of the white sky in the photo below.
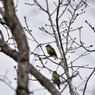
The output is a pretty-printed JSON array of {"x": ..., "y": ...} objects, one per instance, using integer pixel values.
[{"x": 36, "y": 18}]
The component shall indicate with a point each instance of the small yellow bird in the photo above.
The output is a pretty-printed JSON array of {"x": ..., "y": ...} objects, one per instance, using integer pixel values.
[
  {"x": 56, "y": 79},
  {"x": 51, "y": 51}
]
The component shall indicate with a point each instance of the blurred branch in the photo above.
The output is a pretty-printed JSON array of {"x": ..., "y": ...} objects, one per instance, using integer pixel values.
[
  {"x": 7, "y": 84},
  {"x": 20, "y": 38},
  {"x": 2, "y": 12},
  {"x": 7, "y": 50},
  {"x": 1, "y": 35}
]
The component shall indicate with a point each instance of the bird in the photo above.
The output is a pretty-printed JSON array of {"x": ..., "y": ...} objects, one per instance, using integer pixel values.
[
  {"x": 56, "y": 79},
  {"x": 51, "y": 51}
]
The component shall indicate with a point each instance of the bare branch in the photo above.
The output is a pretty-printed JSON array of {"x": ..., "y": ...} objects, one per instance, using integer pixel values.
[
  {"x": 23, "y": 56},
  {"x": 90, "y": 25},
  {"x": 35, "y": 1},
  {"x": 87, "y": 81},
  {"x": 7, "y": 50},
  {"x": 7, "y": 84},
  {"x": 2, "y": 12},
  {"x": 44, "y": 81}
]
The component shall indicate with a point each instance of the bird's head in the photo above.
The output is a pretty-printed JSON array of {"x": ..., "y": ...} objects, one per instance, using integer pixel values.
[
  {"x": 48, "y": 46},
  {"x": 54, "y": 72}
]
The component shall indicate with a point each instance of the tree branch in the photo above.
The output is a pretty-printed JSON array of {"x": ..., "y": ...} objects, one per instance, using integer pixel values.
[
  {"x": 44, "y": 81},
  {"x": 23, "y": 56},
  {"x": 87, "y": 81},
  {"x": 7, "y": 50}
]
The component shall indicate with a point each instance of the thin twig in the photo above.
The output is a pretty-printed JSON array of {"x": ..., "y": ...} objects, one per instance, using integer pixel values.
[{"x": 87, "y": 81}]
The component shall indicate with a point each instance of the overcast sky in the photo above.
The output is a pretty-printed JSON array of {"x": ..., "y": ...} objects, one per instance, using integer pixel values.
[{"x": 36, "y": 18}]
